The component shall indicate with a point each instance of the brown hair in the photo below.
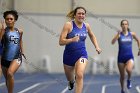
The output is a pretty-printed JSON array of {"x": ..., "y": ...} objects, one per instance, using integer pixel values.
[
  {"x": 127, "y": 23},
  {"x": 72, "y": 13}
]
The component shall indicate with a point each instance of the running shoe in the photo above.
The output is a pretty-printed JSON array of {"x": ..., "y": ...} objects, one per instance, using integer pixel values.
[
  {"x": 129, "y": 84},
  {"x": 122, "y": 91},
  {"x": 71, "y": 85}
]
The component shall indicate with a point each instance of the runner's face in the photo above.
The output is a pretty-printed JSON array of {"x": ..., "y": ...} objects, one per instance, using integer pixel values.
[
  {"x": 10, "y": 20},
  {"x": 80, "y": 15},
  {"x": 124, "y": 25}
]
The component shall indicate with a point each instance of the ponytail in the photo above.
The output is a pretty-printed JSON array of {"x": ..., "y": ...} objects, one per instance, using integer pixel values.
[{"x": 72, "y": 13}]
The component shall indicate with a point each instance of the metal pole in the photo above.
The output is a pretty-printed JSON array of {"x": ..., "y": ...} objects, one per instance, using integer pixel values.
[
  {"x": 13, "y": 5},
  {"x": 73, "y": 4}
]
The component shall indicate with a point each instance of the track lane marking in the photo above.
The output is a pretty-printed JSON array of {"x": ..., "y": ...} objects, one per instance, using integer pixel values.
[
  {"x": 107, "y": 85},
  {"x": 64, "y": 90},
  {"x": 29, "y": 88},
  {"x": 138, "y": 89}
]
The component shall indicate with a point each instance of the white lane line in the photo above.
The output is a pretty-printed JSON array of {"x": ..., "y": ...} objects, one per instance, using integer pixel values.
[
  {"x": 107, "y": 85},
  {"x": 64, "y": 90},
  {"x": 44, "y": 86},
  {"x": 29, "y": 88},
  {"x": 2, "y": 84},
  {"x": 103, "y": 88},
  {"x": 87, "y": 83},
  {"x": 138, "y": 89}
]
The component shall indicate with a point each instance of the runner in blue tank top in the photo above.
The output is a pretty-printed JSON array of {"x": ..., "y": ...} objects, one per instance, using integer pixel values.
[
  {"x": 1, "y": 48},
  {"x": 76, "y": 50},
  {"x": 125, "y": 47},
  {"x": 125, "y": 55},
  {"x": 0, "y": 59},
  {"x": 11, "y": 39},
  {"x": 11, "y": 45},
  {"x": 75, "y": 56}
]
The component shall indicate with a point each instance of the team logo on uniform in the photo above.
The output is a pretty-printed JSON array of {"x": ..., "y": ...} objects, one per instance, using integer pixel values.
[{"x": 14, "y": 39}]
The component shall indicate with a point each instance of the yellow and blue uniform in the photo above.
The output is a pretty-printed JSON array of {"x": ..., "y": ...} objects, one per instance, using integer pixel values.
[
  {"x": 125, "y": 48},
  {"x": 11, "y": 46},
  {"x": 75, "y": 50}
]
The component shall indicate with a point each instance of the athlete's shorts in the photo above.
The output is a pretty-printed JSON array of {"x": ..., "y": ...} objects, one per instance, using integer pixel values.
[
  {"x": 70, "y": 58},
  {"x": 125, "y": 58},
  {"x": 6, "y": 63}
]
